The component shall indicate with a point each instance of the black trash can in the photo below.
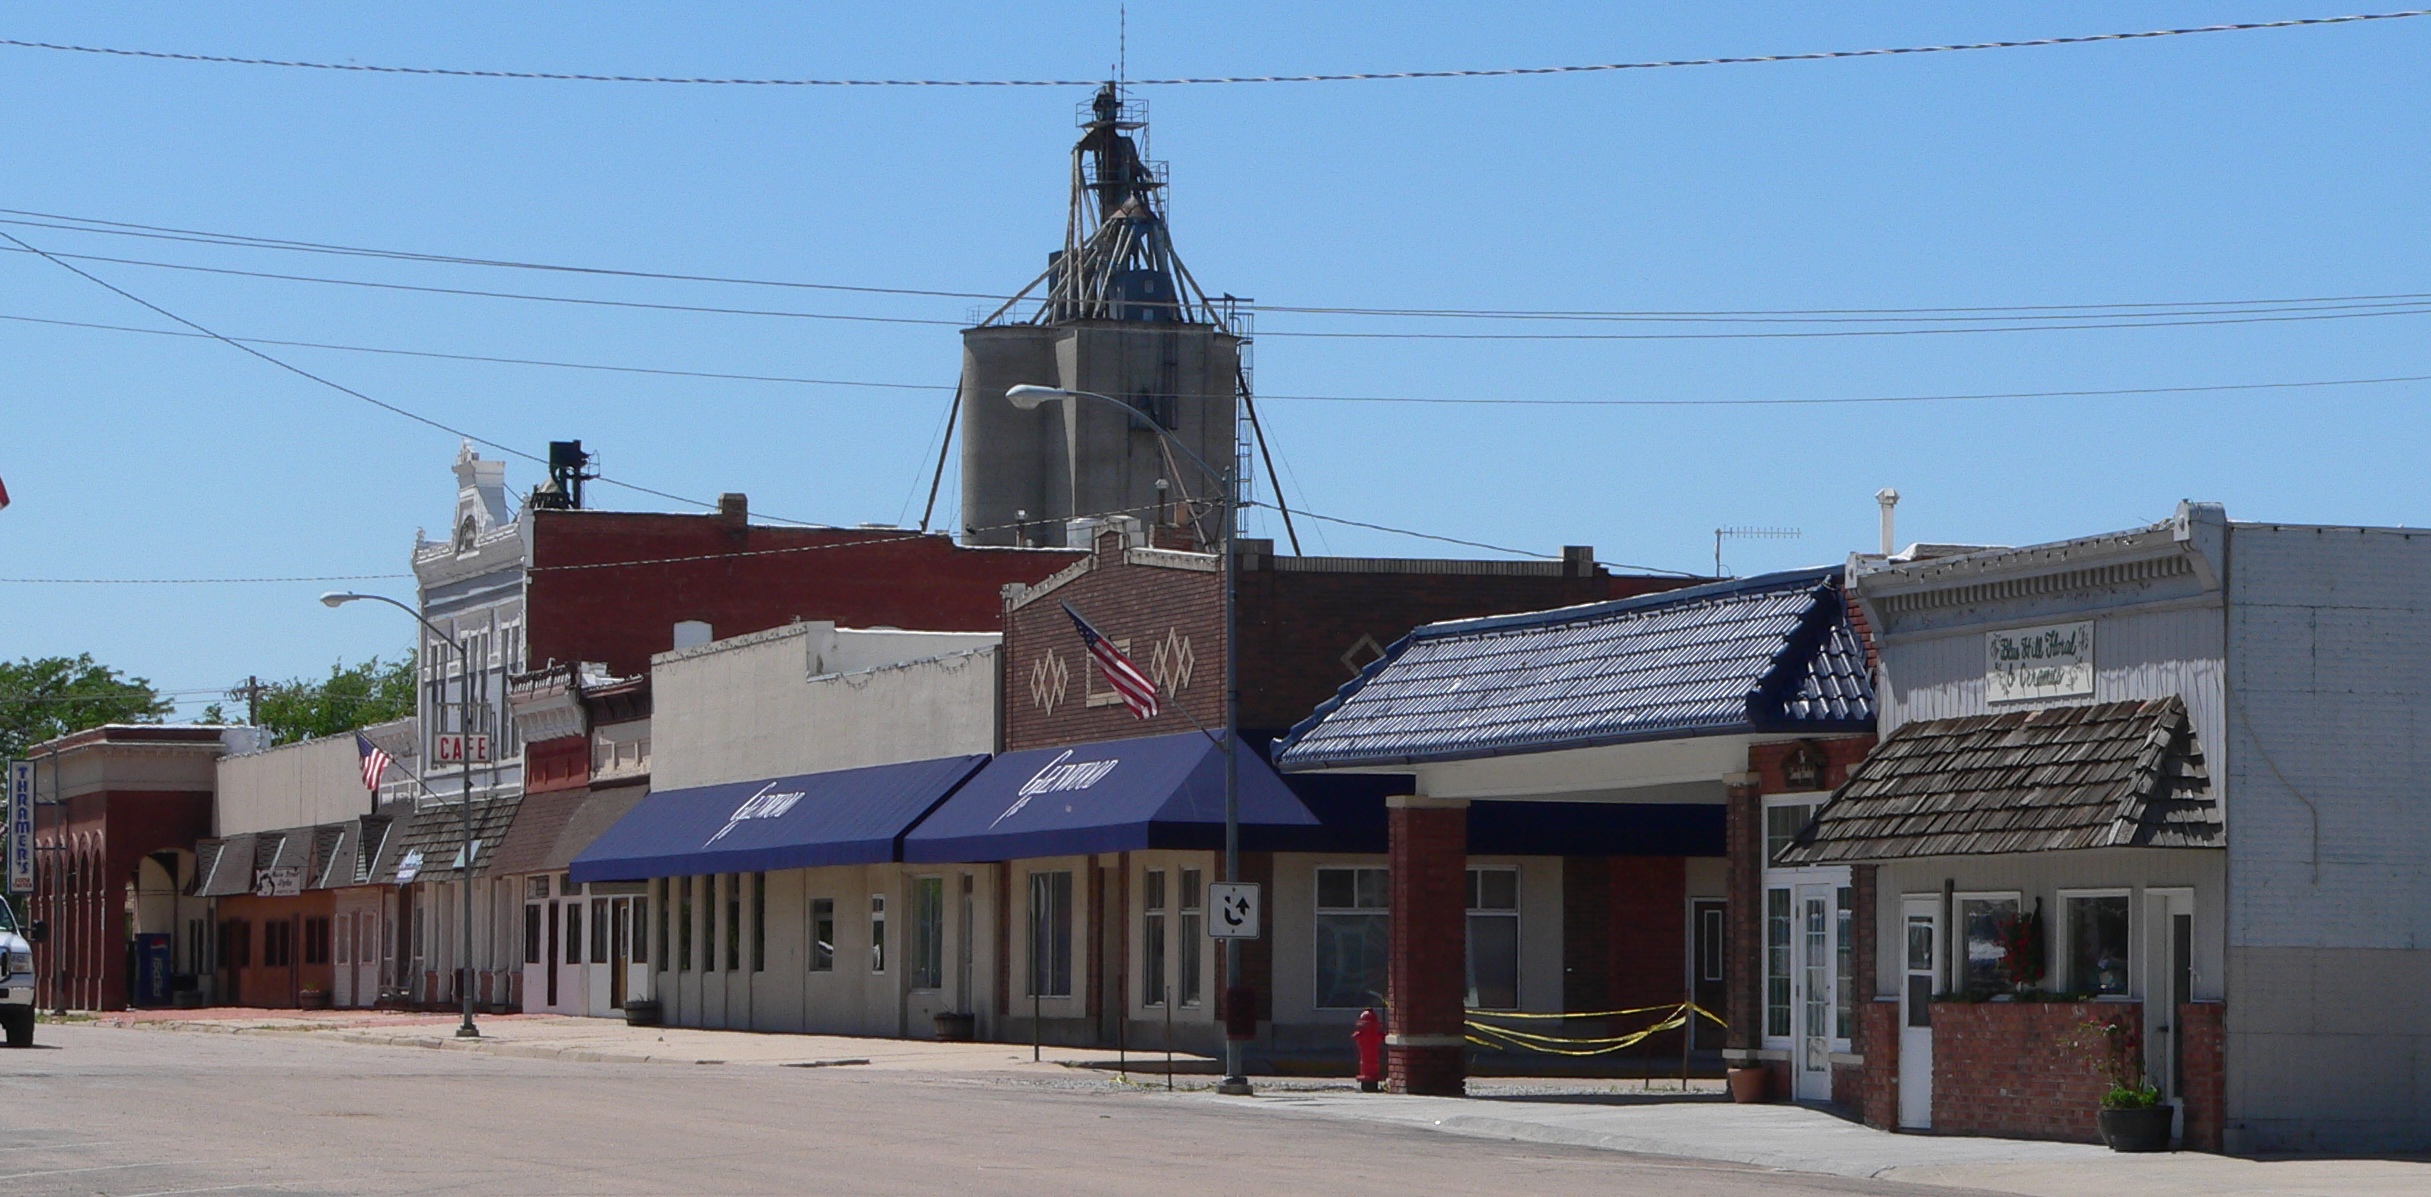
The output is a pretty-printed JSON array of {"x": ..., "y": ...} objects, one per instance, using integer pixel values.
[{"x": 643, "y": 1012}]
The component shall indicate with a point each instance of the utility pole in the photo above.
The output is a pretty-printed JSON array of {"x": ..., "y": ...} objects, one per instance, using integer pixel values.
[{"x": 253, "y": 702}]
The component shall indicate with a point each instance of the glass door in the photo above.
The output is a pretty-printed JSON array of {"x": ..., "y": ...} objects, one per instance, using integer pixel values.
[
  {"x": 1811, "y": 1051},
  {"x": 1920, "y": 918}
]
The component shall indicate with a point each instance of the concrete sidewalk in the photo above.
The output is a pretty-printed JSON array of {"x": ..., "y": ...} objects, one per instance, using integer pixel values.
[{"x": 1795, "y": 1138}]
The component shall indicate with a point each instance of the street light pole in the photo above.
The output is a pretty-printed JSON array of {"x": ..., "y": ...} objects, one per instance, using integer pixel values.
[
  {"x": 1236, "y": 1080},
  {"x": 464, "y": 718}
]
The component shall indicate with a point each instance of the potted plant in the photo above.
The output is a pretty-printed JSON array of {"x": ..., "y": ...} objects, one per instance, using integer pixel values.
[
  {"x": 313, "y": 998},
  {"x": 2133, "y": 1116},
  {"x": 1750, "y": 1083}
]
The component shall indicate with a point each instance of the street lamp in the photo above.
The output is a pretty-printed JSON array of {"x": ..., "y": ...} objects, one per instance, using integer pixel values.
[
  {"x": 464, "y": 708},
  {"x": 1028, "y": 398}
]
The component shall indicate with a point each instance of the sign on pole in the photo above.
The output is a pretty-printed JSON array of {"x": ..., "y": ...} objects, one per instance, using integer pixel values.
[
  {"x": 21, "y": 827},
  {"x": 1236, "y": 910},
  {"x": 458, "y": 748}
]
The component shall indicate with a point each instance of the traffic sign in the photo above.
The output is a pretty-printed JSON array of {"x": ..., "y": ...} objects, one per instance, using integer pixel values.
[
  {"x": 456, "y": 748},
  {"x": 1236, "y": 910}
]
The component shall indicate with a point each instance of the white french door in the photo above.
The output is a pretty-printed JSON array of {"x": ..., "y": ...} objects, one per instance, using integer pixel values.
[
  {"x": 1813, "y": 991},
  {"x": 1920, "y": 927}
]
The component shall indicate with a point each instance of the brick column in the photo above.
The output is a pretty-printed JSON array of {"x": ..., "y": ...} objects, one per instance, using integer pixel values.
[
  {"x": 1743, "y": 952},
  {"x": 1426, "y": 1049},
  {"x": 2205, "y": 1090}
]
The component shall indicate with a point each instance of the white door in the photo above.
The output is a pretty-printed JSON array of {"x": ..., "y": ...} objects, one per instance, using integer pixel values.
[
  {"x": 1814, "y": 978},
  {"x": 2169, "y": 978},
  {"x": 1920, "y": 919}
]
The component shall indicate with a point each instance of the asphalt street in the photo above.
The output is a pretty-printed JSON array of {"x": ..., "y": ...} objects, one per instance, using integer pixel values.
[{"x": 129, "y": 1112}]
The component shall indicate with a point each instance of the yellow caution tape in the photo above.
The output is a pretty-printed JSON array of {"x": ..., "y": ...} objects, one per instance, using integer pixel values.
[{"x": 1486, "y": 1034}]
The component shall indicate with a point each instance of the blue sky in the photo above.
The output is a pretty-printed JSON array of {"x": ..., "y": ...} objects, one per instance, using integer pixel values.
[{"x": 2224, "y": 167}]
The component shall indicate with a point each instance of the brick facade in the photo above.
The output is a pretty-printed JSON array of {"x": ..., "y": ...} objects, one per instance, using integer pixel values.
[
  {"x": 1427, "y": 985},
  {"x": 1743, "y": 924},
  {"x": 1648, "y": 944},
  {"x": 1878, "y": 1082},
  {"x": 2204, "y": 1074},
  {"x": 2010, "y": 1069}
]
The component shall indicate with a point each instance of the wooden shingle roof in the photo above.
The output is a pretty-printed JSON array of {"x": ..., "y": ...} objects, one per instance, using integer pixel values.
[{"x": 2106, "y": 775}]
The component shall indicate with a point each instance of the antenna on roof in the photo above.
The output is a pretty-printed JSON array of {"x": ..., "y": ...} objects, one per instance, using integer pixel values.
[{"x": 1748, "y": 534}]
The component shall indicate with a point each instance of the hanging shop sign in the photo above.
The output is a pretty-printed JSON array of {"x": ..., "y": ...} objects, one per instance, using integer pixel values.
[{"x": 2040, "y": 663}]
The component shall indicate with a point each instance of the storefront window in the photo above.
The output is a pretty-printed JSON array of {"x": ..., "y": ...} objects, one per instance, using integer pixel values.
[
  {"x": 1152, "y": 937},
  {"x": 1194, "y": 933},
  {"x": 1985, "y": 918},
  {"x": 1776, "y": 963},
  {"x": 683, "y": 924},
  {"x": 928, "y": 933},
  {"x": 1354, "y": 923},
  {"x": 2097, "y": 944},
  {"x": 822, "y": 935},
  {"x": 759, "y": 922},
  {"x": 1051, "y": 934},
  {"x": 1782, "y": 823},
  {"x": 1493, "y": 939},
  {"x": 1842, "y": 1013},
  {"x": 877, "y": 933}
]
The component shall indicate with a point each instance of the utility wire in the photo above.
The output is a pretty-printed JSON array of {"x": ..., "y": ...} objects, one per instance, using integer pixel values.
[
  {"x": 339, "y": 387},
  {"x": 1364, "y": 76},
  {"x": 2013, "y": 312},
  {"x": 1417, "y": 400},
  {"x": 2119, "y": 320}
]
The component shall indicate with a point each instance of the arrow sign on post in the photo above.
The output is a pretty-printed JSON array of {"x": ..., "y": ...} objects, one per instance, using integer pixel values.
[{"x": 1236, "y": 910}]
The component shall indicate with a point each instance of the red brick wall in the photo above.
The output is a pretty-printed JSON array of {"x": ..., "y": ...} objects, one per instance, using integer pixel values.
[
  {"x": 621, "y": 615},
  {"x": 107, "y": 834},
  {"x": 1877, "y": 1101},
  {"x": 1296, "y": 631},
  {"x": 1743, "y": 925},
  {"x": 2205, "y": 1086},
  {"x": 1649, "y": 942},
  {"x": 2007, "y": 1068},
  {"x": 1429, "y": 949}
]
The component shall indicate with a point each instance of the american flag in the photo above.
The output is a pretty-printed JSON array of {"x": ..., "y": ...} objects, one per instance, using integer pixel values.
[
  {"x": 375, "y": 762},
  {"x": 1138, "y": 692}
]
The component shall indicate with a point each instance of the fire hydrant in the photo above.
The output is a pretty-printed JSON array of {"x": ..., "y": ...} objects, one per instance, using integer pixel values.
[{"x": 1368, "y": 1033}]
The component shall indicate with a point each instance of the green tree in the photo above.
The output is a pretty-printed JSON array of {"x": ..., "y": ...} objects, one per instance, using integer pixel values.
[
  {"x": 352, "y": 696},
  {"x": 45, "y": 697}
]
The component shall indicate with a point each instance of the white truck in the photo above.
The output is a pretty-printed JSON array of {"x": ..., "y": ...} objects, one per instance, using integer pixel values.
[{"x": 17, "y": 986}]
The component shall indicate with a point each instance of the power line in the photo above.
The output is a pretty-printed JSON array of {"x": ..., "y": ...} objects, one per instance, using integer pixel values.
[
  {"x": 2334, "y": 310},
  {"x": 1979, "y": 312},
  {"x": 1364, "y": 76},
  {"x": 1416, "y": 400},
  {"x": 299, "y": 371}
]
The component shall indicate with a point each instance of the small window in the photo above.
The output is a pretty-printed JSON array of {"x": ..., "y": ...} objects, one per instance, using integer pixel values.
[
  {"x": 1493, "y": 952},
  {"x": 2097, "y": 944},
  {"x": 1782, "y": 823},
  {"x": 1354, "y": 932},
  {"x": 573, "y": 932},
  {"x": 600, "y": 928},
  {"x": 822, "y": 935},
  {"x": 734, "y": 922},
  {"x": 537, "y": 886},
  {"x": 877, "y": 933},
  {"x": 683, "y": 924},
  {"x": 346, "y": 939},
  {"x": 316, "y": 941},
  {"x": 663, "y": 920},
  {"x": 278, "y": 944},
  {"x": 1152, "y": 937},
  {"x": 641, "y": 931},
  {"x": 1193, "y": 938}
]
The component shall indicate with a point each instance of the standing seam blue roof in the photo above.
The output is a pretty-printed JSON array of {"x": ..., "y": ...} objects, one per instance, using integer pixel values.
[{"x": 1773, "y": 652}]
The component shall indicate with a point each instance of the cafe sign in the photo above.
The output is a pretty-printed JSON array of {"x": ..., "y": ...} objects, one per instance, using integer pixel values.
[{"x": 2039, "y": 663}]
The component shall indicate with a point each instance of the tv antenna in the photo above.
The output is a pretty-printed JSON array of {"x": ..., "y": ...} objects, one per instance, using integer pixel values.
[{"x": 1748, "y": 533}]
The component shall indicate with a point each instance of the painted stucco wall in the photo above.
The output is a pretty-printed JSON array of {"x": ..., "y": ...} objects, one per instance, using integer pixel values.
[
  {"x": 293, "y": 785},
  {"x": 2328, "y": 1035},
  {"x": 810, "y": 697}
]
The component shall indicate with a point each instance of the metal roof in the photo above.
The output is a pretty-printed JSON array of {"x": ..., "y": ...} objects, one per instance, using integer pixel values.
[
  {"x": 2108, "y": 775},
  {"x": 1763, "y": 654}
]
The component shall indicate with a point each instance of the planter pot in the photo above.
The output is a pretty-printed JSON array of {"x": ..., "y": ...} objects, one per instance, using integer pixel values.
[
  {"x": 1750, "y": 1085},
  {"x": 957, "y": 1028},
  {"x": 643, "y": 1012},
  {"x": 2136, "y": 1130},
  {"x": 314, "y": 999}
]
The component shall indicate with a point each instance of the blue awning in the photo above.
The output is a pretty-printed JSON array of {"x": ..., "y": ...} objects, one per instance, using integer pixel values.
[
  {"x": 852, "y": 816},
  {"x": 1118, "y": 796}
]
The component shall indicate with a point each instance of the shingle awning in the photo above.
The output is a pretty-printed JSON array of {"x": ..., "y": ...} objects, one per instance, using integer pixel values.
[{"x": 2107, "y": 775}]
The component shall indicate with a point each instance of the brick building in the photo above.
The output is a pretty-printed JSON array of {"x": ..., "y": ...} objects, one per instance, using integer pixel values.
[
  {"x": 118, "y": 809},
  {"x": 1652, "y": 728}
]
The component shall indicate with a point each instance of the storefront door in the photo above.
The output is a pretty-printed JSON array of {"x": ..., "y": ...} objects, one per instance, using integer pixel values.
[
  {"x": 1707, "y": 919},
  {"x": 1813, "y": 991},
  {"x": 2169, "y": 929},
  {"x": 1920, "y": 919}
]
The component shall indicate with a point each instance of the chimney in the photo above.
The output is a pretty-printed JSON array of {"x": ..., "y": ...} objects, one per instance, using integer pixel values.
[
  {"x": 1889, "y": 499},
  {"x": 733, "y": 510},
  {"x": 1578, "y": 561}
]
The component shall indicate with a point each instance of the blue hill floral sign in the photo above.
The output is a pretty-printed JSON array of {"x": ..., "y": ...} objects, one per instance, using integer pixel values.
[{"x": 2039, "y": 664}]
